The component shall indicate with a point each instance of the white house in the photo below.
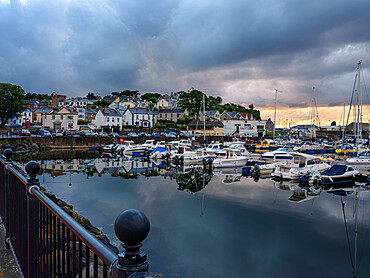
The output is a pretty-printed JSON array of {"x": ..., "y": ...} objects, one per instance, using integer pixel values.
[
  {"x": 62, "y": 118},
  {"x": 108, "y": 118},
  {"x": 26, "y": 117},
  {"x": 75, "y": 102},
  {"x": 249, "y": 128},
  {"x": 139, "y": 117}
]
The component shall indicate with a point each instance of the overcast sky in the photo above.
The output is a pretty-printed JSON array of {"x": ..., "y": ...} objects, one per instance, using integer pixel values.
[{"x": 241, "y": 50}]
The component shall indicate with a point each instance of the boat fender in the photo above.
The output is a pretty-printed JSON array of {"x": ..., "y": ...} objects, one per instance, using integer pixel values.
[{"x": 330, "y": 179}]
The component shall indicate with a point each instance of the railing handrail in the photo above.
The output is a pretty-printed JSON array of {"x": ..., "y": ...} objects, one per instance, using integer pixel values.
[
  {"x": 131, "y": 228},
  {"x": 105, "y": 253}
]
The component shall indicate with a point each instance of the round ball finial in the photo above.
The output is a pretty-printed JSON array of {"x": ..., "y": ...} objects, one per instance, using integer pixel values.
[
  {"x": 8, "y": 153},
  {"x": 32, "y": 168},
  {"x": 132, "y": 227}
]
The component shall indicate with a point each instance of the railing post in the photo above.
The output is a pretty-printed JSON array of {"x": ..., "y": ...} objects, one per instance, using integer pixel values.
[
  {"x": 8, "y": 153},
  {"x": 32, "y": 169},
  {"x": 131, "y": 227}
]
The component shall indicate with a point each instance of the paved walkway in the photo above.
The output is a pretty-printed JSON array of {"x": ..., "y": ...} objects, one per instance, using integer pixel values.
[{"x": 8, "y": 266}]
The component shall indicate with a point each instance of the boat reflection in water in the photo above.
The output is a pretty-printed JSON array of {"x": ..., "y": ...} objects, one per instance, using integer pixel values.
[{"x": 222, "y": 224}]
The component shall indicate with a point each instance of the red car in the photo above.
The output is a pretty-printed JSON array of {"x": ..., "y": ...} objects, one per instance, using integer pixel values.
[{"x": 25, "y": 132}]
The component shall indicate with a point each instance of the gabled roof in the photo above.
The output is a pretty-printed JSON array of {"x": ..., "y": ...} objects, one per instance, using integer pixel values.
[
  {"x": 64, "y": 110},
  {"x": 42, "y": 110},
  {"x": 174, "y": 110},
  {"x": 111, "y": 112},
  {"x": 140, "y": 111}
]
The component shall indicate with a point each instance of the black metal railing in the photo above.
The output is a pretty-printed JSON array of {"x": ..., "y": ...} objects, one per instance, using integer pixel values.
[{"x": 48, "y": 242}]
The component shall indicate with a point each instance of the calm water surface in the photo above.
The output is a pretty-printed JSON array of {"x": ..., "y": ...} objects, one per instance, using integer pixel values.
[{"x": 244, "y": 228}]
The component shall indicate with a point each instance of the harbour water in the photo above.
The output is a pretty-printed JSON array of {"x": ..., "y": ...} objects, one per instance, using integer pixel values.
[{"x": 220, "y": 224}]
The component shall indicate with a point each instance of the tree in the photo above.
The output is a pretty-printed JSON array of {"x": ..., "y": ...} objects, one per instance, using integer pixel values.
[
  {"x": 153, "y": 97},
  {"x": 91, "y": 96},
  {"x": 251, "y": 106},
  {"x": 192, "y": 101},
  {"x": 102, "y": 103},
  {"x": 11, "y": 104},
  {"x": 333, "y": 123}
]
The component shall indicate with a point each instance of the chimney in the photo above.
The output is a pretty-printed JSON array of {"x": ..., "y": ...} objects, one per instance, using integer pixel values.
[
  {"x": 116, "y": 109},
  {"x": 100, "y": 108}
]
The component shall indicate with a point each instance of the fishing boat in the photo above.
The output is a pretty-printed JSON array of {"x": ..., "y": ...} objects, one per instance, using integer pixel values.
[{"x": 301, "y": 165}]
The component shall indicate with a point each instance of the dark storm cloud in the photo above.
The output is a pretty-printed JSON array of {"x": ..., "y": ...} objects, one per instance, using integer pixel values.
[{"x": 241, "y": 50}]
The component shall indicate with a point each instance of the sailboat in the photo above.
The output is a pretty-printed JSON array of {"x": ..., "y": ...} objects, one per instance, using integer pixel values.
[{"x": 356, "y": 102}]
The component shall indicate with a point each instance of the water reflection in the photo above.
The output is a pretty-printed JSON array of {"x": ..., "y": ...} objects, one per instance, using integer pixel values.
[{"x": 222, "y": 224}]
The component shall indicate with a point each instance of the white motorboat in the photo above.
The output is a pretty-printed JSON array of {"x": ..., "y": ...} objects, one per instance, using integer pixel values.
[
  {"x": 131, "y": 149},
  {"x": 362, "y": 159},
  {"x": 215, "y": 148},
  {"x": 301, "y": 165},
  {"x": 112, "y": 147},
  {"x": 149, "y": 144},
  {"x": 280, "y": 154},
  {"x": 233, "y": 158},
  {"x": 337, "y": 175}
]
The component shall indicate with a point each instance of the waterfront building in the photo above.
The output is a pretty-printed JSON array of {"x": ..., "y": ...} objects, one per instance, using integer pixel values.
[
  {"x": 167, "y": 102},
  {"x": 244, "y": 127},
  {"x": 62, "y": 118},
  {"x": 90, "y": 115},
  {"x": 171, "y": 114},
  {"x": 76, "y": 102},
  {"x": 212, "y": 115},
  {"x": 26, "y": 117},
  {"x": 55, "y": 99},
  {"x": 37, "y": 114},
  {"x": 108, "y": 118},
  {"x": 213, "y": 128},
  {"x": 139, "y": 116}
]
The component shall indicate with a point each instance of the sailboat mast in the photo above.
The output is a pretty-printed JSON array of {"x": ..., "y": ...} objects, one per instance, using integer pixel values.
[
  {"x": 273, "y": 136},
  {"x": 204, "y": 119},
  {"x": 359, "y": 103},
  {"x": 313, "y": 114}
]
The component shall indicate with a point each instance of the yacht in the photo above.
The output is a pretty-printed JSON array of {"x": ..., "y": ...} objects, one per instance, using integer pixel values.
[{"x": 301, "y": 164}]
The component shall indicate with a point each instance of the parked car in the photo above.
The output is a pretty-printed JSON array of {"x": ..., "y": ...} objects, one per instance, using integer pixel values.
[
  {"x": 15, "y": 132},
  {"x": 25, "y": 132},
  {"x": 113, "y": 134},
  {"x": 155, "y": 135},
  {"x": 67, "y": 133},
  {"x": 86, "y": 133},
  {"x": 59, "y": 132},
  {"x": 132, "y": 134},
  {"x": 45, "y": 133},
  {"x": 103, "y": 134}
]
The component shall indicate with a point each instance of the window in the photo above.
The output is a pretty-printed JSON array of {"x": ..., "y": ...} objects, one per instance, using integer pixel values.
[
  {"x": 53, "y": 117},
  {"x": 61, "y": 117},
  {"x": 112, "y": 120},
  {"x": 107, "y": 119}
]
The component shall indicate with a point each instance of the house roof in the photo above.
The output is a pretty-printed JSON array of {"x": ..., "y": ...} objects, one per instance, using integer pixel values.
[
  {"x": 42, "y": 110},
  {"x": 174, "y": 110},
  {"x": 140, "y": 111},
  {"x": 111, "y": 112}
]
